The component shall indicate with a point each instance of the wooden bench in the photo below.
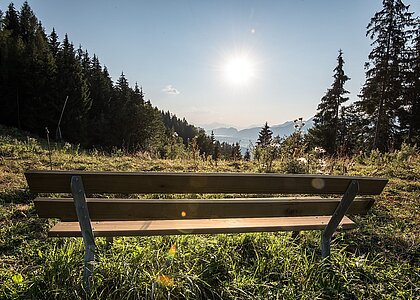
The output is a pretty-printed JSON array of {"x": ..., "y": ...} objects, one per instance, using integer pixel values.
[{"x": 100, "y": 217}]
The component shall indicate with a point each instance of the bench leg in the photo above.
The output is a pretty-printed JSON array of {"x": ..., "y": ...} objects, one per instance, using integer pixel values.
[
  {"x": 338, "y": 215},
  {"x": 86, "y": 228}
]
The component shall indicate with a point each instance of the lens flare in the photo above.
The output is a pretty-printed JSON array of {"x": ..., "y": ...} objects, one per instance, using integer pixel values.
[{"x": 165, "y": 280}]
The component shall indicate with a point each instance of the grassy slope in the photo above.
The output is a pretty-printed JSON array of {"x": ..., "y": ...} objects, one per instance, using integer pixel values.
[{"x": 380, "y": 259}]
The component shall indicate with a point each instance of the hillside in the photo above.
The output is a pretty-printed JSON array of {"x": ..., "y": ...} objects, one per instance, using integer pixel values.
[{"x": 378, "y": 260}]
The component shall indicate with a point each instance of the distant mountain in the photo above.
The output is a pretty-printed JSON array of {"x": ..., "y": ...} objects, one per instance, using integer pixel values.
[
  {"x": 214, "y": 125},
  {"x": 250, "y": 135}
]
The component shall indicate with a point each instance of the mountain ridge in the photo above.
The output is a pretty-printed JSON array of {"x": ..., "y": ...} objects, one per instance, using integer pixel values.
[{"x": 250, "y": 135}]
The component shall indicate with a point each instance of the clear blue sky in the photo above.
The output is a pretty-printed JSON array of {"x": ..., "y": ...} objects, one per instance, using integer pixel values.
[{"x": 179, "y": 51}]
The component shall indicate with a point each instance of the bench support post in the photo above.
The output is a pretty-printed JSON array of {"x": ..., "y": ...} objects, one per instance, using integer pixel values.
[
  {"x": 86, "y": 229},
  {"x": 338, "y": 215}
]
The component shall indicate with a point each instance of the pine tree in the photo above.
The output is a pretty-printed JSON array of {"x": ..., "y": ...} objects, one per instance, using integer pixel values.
[
  {"x": 236, "y": 152},
  {"x": 353, "y": 137},
  {"x": 204, "y": 143},
  {"x": 11, "y": 20},
  {"x": 27, "y": 23},
  {"x": 54, "y": 43},
  {"x": 216, "y": 151},
  {"x": 11, "y": 52},
  {"x": 101, "y": 92},
  {"x": 325, "y": 132},
  {"x": 265, "y": 151},
  {"x": 247, "y": 155},
  {"x": 71, "y": 83},
  {"x": 214, "y": 155},
  {"x": 409, "y": 112},
  {"x": 39, "y": 77},
  {"x": 265, "y": 136},
  {"x": 381, "y": 95}
]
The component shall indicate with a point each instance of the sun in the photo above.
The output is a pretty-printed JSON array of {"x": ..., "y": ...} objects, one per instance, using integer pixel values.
[{"x": 239, "y": 69}]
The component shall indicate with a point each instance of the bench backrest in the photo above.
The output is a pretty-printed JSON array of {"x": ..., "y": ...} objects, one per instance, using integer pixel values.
[
  {"x": 180, "y": 183},
  {"x": 199, "y": 183}
]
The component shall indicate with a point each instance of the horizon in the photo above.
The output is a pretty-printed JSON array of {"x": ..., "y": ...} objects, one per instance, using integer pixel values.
[{"x": 236, "y": 63}]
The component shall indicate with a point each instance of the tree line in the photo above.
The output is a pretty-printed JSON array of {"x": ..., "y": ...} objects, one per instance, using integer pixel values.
[
  {"x": 47, "y": 83},
  {"x": 387, "y": 113}
]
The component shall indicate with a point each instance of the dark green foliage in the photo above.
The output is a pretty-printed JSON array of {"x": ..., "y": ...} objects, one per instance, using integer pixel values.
[
  {"x": 71, "y": 82},
  {"x": 267, "y": 149},
  {"x": 54, "y": 43},
  {"x": 181, "y": 127},
  {"x": 42, "y": 78},
  {"x": 247, "y": 155},
  {"x": 409, "y": 112},
  {"x": 352, "y": 138},
  {"x": 225, "y": 150},
  {"x": 236, "y": 152},
  {"x": 326, "y": 131},
  {"x": 204, "y": 143},
  {"x": 383, "y": 92},
  {"x": 265, "y": 136}
]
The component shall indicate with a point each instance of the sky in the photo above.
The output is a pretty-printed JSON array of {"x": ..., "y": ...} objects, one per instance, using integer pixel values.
[{"x": 236, "y": 63}]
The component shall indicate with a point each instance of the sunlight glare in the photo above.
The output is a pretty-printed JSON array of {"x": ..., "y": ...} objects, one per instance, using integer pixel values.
[{"x": 239, "y": 69}]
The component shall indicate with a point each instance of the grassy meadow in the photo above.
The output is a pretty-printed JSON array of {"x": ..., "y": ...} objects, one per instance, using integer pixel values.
[{"x": 378, "y": 260}]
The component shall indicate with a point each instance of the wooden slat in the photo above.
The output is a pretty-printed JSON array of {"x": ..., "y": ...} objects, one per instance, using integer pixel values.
[
  {"x": 197, "y": 226},
  {"x": 154, "y": 182},
  {"x": 124, "y": 209}
]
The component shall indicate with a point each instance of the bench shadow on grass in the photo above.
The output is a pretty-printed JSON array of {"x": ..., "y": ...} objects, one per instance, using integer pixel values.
[{"x": 16, "y": 196}]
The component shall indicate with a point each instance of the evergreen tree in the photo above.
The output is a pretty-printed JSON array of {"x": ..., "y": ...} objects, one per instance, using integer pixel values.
[
  {"x": 121, "y": 114},
  {"x": 54, "y": 43},
  {"x": 247, "y": 155},
  {"x": 236, "y": 152},
  {"x": 71, "y": 83},
  {"x": 204, "y": 143},
  {"x": 38, "y": 79},
  {"x": 353, "y": 137},
  {"x": 216, "y": 151},
  {"x": 265, "y": 136},
  {"x": 225, "y": 150},
  {"x": 27, "y": 23},
  {"x": 325, "y": 132},
  {"x": 265, "y": 151},
  {"x": 101, "y": 92},
  {"x": 381, "y": 95},
  {"x": 11, "y": 64},
  {"x": 11, "y": 20},
  {"x": 409, "y": 112}
]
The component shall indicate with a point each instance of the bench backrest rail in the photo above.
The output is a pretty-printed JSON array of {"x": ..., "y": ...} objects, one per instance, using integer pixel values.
[{"x": 199, "y": 183}]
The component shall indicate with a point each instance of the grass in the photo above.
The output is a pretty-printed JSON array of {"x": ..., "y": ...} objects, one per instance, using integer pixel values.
[{"x": 378, "y": 260}]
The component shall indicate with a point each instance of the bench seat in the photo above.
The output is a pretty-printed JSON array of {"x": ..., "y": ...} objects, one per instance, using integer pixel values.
[{"x": 197, "y": 226}]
